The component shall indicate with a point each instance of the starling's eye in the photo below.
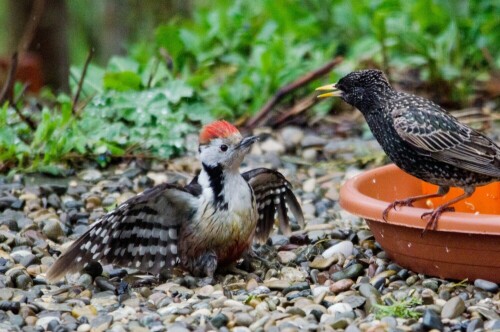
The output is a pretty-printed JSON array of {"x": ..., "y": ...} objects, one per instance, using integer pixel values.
[{"x": 223, "y": 147}]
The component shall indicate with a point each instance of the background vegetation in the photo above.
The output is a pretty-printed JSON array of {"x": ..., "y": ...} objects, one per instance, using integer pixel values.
[{"x": 225, "y": 59}]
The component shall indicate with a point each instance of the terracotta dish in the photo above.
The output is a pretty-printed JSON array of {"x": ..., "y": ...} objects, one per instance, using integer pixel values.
[{"x": 466, "y": 243}]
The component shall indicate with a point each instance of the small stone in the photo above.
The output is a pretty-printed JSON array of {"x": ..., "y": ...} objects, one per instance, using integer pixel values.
[
  {"x": 300, "y": 286},
  {"x": 219, "y": 320},
  {"x": 273, "y": 146},
  {"x": 350, "y": 272},
  {"x": 313, "y": 140},
  {"x": 83, "y": 328},
  {"x": 341, "y": 286},
  {"x": 474, "y": 324},
  {"x": 44, "y": 321},
  {"x": 389, "y": 321},
  {"x": 295, "y": 311},
  {"x": 318, "y": 290},
  {"x": 339, "y": 323},
  {"x": 90, "y": 175},
  {"x": 309, "y": 185},
  {"x": 431, "y": 320},
  {"x": 286, "y": 257},
  {"x": 278, "y": 240},
  {"x": 430, "y": 283},
  {"x": 101, "y": 323},
  {"x": 444, "y": 294},
  {"x": 454, "y": 307},
  {"x": 88, "y": 311},
  {"x": 53, "y": 229},
  {"x": 17, "y": 320},
  {"x": 321, "y": 263},
  {"x": 84, "y": 280},
  {"x": 379, "y": 279},
  {"x": 345, "y": 248},
  {"x": 104, "y": 284},
  {"x": 205, "y": 291},
  {"x": 339, "y": 308},
  {"x": 486, "y": 285},
  {"x": 309, "y": 155},
  {"x": 12, "y": 306},
  {"x": 23, "y": 281},
  {"x": 291, "y": 137},
  {"x": 492, "y": 325},
  {"x": 293, "y": 274},
  {"x": 6, "y": 294},
  {"x": 355, "y": 301},
  {"x": 243, "y": 319}
]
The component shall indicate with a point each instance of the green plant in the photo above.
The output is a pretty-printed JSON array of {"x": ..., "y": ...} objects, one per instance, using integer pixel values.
[{"x": 402, "y": 309}]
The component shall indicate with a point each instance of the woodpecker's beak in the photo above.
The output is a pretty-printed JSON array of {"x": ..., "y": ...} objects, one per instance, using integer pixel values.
[
  {"x": 330, "y": 87},
  {"x": 247, "y": 141}
]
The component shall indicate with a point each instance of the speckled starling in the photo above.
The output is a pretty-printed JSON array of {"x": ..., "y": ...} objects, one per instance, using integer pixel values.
[{"x": 421, "y": 138}]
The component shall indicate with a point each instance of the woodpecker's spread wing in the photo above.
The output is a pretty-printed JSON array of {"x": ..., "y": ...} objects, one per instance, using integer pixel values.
[
  {"x": 141, "y": 233},
  {"x": 440, "y": 135},
  {"x": 273, "y": 193}
]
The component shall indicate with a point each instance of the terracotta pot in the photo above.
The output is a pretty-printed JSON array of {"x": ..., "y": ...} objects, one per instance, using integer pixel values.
[{"x": 465, "y": 245}]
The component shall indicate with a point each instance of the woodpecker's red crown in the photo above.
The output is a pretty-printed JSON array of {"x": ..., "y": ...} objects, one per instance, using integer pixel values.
[{"x": 217, "y": 129}]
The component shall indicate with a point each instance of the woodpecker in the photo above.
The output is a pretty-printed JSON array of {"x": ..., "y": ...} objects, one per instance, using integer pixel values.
[{"x": 207, "y": 224}]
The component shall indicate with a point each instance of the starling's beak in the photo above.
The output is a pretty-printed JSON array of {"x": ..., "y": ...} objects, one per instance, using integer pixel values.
[
  {"x": 247, "y": 141},
  {"x": 330, "y": 87}
]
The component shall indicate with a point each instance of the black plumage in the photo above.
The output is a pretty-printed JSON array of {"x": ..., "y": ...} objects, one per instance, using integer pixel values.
[{"x": 421, "y": 138}]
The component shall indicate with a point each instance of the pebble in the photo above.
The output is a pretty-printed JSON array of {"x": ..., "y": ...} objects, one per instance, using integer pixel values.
[
  {"x": 53, "y": 229},
  {"x": 286, "y": 257},
  {"x": 345, "y": 248},
  {"x": 454, "y": 307},
  {"x": 292, "y": 136},
  {"x": 486, "y": 285},
  {"x": 322, "y": 263},
  {"x": 350, "y": 272},
  {"x": 219, "y": 320},
  {"x": 339, "y": 308},
  {"x": 431, "y": 320},
  {"x": 341, "y": 285},
  {"x": 101, "y": 323}
]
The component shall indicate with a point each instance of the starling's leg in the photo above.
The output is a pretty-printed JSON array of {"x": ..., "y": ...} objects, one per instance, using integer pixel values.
[
  {"x": 443, "y": 190},
  {"x": 434, "y": 215}
]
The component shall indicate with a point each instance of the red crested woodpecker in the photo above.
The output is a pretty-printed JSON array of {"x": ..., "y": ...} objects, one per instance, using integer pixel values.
[{"x": 209, "y": 223}]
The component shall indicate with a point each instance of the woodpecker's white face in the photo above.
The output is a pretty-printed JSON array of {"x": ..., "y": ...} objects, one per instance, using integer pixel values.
[{"x": 227, "y": 152}]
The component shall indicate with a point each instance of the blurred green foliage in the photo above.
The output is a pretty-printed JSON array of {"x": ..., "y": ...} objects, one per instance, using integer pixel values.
[{"x": 232, "y": 56}]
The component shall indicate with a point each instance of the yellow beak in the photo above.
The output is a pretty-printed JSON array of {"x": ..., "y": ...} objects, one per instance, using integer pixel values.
[{"x": 329, "y": 87}]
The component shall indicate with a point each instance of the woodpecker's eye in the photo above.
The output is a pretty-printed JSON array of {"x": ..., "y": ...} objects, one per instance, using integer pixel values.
[{"x": 223, "y": 147}]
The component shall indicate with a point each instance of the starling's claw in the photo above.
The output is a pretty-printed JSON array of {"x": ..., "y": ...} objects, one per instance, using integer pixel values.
[
  {"x": 394, "y": 205},
  {"x": 434, "y": 216}
]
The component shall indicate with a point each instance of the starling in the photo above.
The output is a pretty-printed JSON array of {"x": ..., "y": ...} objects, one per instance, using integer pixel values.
[{"x": 421, "y": 138}]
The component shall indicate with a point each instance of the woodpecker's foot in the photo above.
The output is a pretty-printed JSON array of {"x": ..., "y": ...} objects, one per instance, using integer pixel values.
[
  {"x": 434, "y": 216},
  {"x": 251, "y": 257},
  {"x": 394, "y": 205},
  {"x": 206, "y": 281},
  {"x": 232, "y": 269},
  {"x": 204, "y": 265}
]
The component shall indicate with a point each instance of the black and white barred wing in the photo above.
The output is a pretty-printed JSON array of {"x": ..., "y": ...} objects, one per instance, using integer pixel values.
[
  {"x": 273, "y": 194},
  {"x": 141, "y": 233}
]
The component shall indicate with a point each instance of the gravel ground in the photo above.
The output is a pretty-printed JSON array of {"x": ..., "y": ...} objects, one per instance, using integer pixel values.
[{"x": 332, "y": 275}]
